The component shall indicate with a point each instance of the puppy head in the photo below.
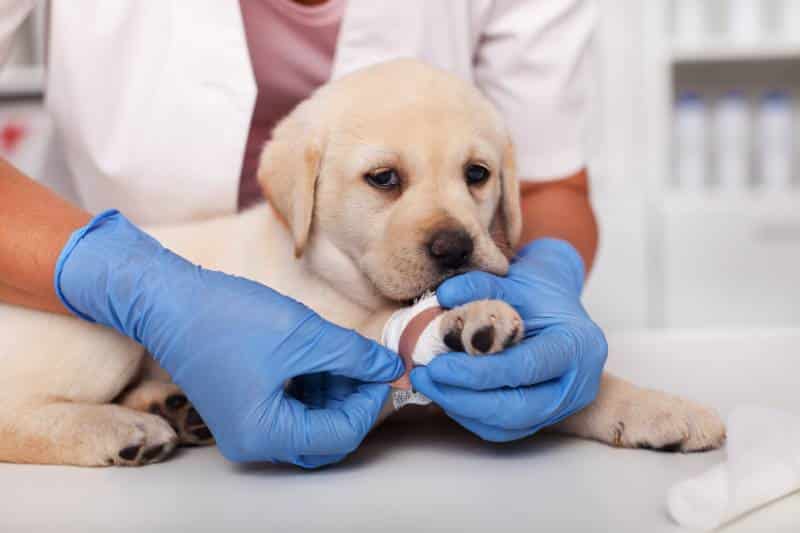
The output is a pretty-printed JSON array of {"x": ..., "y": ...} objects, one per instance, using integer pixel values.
[{"x": 400, "y": 175}]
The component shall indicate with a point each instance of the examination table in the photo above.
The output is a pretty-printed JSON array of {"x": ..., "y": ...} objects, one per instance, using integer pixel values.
[{"x": 435, "y": 476}]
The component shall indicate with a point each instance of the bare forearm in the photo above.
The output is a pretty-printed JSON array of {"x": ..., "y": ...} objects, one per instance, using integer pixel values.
[
  {"x": 561, "y": 209},
  {"x": 35, "y": 223}
]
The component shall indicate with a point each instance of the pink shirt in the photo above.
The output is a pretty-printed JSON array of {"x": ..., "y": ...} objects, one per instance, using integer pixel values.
[{"x": 291, "y": 50}]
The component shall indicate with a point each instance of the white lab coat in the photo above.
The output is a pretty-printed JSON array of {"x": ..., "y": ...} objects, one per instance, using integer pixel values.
[{"x": 152, "y": 99}]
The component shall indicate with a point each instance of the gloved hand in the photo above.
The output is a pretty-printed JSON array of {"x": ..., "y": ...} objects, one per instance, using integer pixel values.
[
  {"x": 229, "y": 343},
  {"x": 554, "y": 372},
  {"x": 323, "y": 390}
]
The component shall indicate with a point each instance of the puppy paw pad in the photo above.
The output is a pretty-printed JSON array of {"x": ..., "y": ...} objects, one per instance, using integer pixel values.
[
  {"x": 153, "y": 452},
  {"x": 452, "y": 339},
  {"x": 129, "y": 453},
  {"x": 482, "y": 327},
  {"x": 483, "y": 339},
  {"x": 176, "y": 401}
]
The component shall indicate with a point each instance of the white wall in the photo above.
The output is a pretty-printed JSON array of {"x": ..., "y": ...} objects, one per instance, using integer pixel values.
[
  {"x": 671, "y": 257},
  {"x": 617, "y": 291}
]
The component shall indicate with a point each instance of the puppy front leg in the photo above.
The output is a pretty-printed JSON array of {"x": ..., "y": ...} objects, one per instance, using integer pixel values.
[
  {"x": 372, "y": 328},
  {"x": 628, "y": 416},
  {"x": 424, "y": 330}
]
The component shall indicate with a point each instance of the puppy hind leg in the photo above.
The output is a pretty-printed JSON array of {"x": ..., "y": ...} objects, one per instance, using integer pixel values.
[
  {"x": 166, "y": 400},
  {"x": 83, "y": 435}
]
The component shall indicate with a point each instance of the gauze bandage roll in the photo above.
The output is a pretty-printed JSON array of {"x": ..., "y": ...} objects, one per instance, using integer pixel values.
[
  {"x": 763, "y": 464},
  {"x": 413, "y": 332}
]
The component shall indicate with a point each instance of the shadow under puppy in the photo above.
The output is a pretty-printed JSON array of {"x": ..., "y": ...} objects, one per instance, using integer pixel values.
[{"x": 382, "y": 184}]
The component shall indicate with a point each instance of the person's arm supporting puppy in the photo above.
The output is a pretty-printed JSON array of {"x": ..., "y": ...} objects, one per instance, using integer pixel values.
[
  {"x": 556, "y": 369},
  {"x": 561, "y": 209},
  {"x": 230, "y": 343},
  {"x": 34, "y": 225}
]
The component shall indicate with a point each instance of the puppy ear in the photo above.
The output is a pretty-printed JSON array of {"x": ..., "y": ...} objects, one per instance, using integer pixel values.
[
  {"x": 288, "y": 173},
  {"x": 507, "y": 224}
]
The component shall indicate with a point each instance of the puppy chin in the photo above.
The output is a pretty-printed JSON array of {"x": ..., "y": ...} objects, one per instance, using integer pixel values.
[
  {"x": 408, "y": 294},
  {"x": 404, "y": 288}
]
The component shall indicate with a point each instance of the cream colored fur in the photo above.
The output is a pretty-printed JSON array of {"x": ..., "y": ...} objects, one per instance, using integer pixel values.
[{"x": 348, "y": 250}]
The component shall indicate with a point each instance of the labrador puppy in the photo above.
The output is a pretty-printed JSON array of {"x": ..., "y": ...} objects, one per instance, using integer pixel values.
[{"x": 369, "y": 208}]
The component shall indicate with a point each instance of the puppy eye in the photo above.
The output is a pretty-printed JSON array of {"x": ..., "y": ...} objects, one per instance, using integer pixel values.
[
  {"x": 384, "y": 179},
  {"x": 476, "y": 174}
]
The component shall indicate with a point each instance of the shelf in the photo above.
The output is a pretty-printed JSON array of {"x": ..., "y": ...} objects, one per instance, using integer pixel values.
[
  {"x": 755, "y": 202},
  {"x": 722, "y": 51},
  {"x": 21, "y": 81}
]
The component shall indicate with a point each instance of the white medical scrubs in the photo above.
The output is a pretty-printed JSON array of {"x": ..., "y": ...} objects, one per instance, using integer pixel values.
[{"x": 152, "y": 99}]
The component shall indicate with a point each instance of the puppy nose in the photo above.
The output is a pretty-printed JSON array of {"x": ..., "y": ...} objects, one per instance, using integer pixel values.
[{"x": 451, "y": 248}]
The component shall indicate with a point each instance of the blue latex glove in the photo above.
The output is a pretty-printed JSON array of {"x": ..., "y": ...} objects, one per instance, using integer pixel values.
[
  {"x": 323, "y": 390},
  {"x": 554, "y": 372},
  {"x": 231, "y": 344}
]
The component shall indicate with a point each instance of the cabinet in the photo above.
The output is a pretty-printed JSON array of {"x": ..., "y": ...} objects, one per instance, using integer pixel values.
[{"x": 718, "y": 258}]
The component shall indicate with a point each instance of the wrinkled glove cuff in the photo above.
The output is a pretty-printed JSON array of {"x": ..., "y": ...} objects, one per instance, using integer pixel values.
[
  {"x": 66, "y": 252},
  {"x": 560, "y": 251},
  {"x": 97, "y": 273}
]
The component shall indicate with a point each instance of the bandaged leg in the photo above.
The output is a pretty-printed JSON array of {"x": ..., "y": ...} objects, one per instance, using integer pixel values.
[
  {"x": 414, "y": 333},
  {"x": 421, "y": 332}
]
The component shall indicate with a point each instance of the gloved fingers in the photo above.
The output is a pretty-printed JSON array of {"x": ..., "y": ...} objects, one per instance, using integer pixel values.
[
  {"x": 340, "y": 430},
  {"x": 492, "y": 433},
  {"x": 338, "y": 388},
  {"x": 309, "y": 389},
  {"x": 560, "y": 258},
  {"x": 354, "y": 356},
  {"x": 323, "y": 390},
  {"x": 517, "y": 408},
  {"x": 320, "y": 388},
  {"x": 472, "y": 286},
  {"x": 546, "y": 356}
]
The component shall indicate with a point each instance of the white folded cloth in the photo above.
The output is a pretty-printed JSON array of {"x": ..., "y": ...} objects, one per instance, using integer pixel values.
[{"x": 763, "y": 464}]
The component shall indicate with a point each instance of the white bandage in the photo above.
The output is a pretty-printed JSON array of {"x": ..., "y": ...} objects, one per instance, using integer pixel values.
[
  {"x": 423, "y": 348},
  {"x": 430, "y": 341},
  {"x": 763, "y": 464}
]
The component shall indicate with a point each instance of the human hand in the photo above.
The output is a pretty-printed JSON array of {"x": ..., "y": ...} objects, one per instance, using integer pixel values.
[
  {"x": 231, "y": 344},
  {"x": 554, "y": 372},
  {"x": 323, "y": 390}
]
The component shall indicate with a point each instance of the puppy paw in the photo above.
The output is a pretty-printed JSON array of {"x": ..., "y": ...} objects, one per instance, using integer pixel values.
[
  {"x": 669, "y": 424},
  {"x": 169, "y": 402},
  {"x": 482, "y": 327},
  {"x": 137, "y": 439}
]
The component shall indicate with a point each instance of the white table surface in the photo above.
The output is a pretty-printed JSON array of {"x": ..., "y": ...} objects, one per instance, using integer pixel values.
[{"x": 435, "y": 476}]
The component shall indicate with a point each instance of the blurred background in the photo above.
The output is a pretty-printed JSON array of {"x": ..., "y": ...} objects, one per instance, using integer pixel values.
[
  {"x": 694, "y": 158},
  {"x": 695, "y": 149}
]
